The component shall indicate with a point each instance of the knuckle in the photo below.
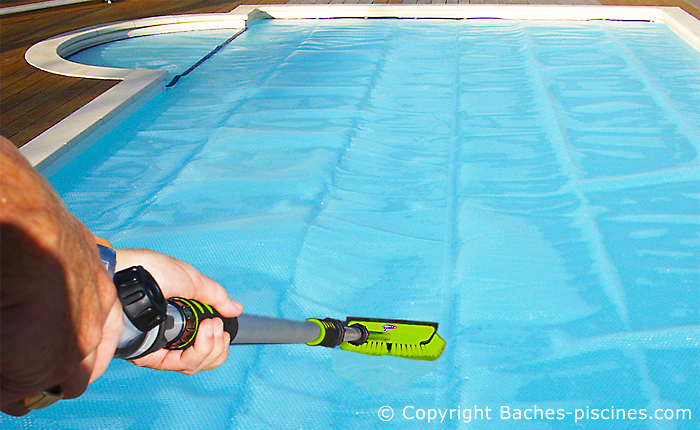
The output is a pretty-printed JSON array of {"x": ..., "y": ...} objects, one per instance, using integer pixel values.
[{"x": 191, "y": 371}]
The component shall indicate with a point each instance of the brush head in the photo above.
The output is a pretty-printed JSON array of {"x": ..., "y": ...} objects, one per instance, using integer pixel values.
[{"x": 415, "y": 340}]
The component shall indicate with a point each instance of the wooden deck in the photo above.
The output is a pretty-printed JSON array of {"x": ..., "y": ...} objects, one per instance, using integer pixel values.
[{"x": 31, "y": 101}]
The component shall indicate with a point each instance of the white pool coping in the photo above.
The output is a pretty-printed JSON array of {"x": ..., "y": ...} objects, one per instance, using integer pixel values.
[{"x": 138, "y": 85}]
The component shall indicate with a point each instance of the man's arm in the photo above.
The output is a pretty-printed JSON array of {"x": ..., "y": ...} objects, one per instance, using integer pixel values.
[{"x": 60, "y": 317}]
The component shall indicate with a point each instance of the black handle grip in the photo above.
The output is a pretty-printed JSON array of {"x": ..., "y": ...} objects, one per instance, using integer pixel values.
[{"x": 194, "y": 312}]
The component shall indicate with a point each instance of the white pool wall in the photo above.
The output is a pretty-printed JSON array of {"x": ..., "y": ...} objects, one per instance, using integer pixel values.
[{"x": 138, "y": 85}]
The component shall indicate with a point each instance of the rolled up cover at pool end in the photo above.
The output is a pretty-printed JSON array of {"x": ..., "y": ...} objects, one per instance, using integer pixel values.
[{"x": 415, "y": 340}]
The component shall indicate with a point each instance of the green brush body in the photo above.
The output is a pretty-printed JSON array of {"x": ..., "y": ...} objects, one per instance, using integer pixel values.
[{"x": 415, "y": 340}]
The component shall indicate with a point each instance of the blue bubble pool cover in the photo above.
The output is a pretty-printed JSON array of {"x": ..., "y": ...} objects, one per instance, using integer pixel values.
[{"x": 534, "y": 188}]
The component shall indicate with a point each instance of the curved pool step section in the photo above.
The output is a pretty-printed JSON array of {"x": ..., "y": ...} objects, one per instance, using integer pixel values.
[{"x": 136, "y": 87}]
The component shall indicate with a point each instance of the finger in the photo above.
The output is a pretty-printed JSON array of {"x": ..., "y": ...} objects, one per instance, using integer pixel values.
[
  {"x": 212, "y": 293},
  {"x": 209, "y": 350},
  {"x": 16, "y": 409},
  {"x": 219, "y": 347},
  {"x": 197, "y": 357},
  {"x": 208, "y": 291},
  {"x": 187, "y": 361},
  {"x": 77, "y": 382},
  {"x": 179, "y": 279},
  {"x": 224, "y": 341},
  {"x": 159, "y": 360},
  {"x": 12, "y": 401}
]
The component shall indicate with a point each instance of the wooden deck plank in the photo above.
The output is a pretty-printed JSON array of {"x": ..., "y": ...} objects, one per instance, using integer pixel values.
[
  {"x": 10, "y": 65},
  {"x": 46, "y": 90},
  {"x": 18, "y": 84},
  {"x": 25, "y": 129},
  {"x": 670, "y": 3}
]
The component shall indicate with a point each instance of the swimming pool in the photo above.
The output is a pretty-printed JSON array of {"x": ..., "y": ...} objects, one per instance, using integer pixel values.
[{"x": 531, "y": 186}]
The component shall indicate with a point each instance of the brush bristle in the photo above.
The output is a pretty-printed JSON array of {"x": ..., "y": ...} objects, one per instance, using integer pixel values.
[
  {"x": 428, "y": 352},
  {"x": 422, "y": 351},
  {"x": 376, "y": 348}
]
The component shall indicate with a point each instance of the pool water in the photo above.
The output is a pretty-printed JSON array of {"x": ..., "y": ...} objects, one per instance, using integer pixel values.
[
  {"x": 174, "y": 52},
  {"x": 533, "y": 187}
]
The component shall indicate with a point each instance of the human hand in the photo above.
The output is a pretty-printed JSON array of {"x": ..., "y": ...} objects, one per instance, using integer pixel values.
[
  {"x": 179, "y": 279},
  {"x": 61, "y": 319}
]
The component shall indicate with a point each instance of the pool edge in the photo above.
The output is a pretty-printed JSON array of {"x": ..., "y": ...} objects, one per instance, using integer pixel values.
[{"x": 138, "y": 85}]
